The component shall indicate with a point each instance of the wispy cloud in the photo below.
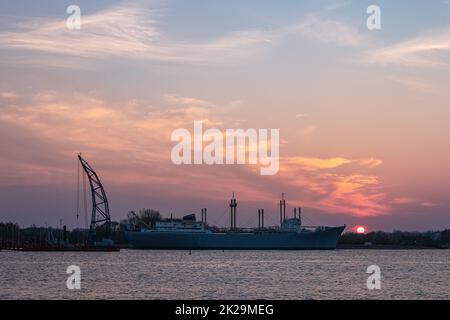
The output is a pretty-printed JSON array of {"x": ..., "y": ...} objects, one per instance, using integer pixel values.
[
  {"x": 174, "y": 99},
  {"x": 413, "y": 84},
  {"x": 300, "y": 115},
  {"x": 308, "y": 132},
  {"x": 357, "y": 194},
  {"x": 431, "y": 50},
  {"x": 318, "y": 163},
  {"x": 404, "y": 200},
  {"x": 8, "y": 95},
  {"x": 338, "y": 5},
  {"x": 331, "y": 31},
  {"x": 339, "y": 185},
  {"x": 133, "y": 32},
  {"x": 413, "y": 201},
  {"x": 309, "y": 163},
  {"x": 118, "y": 31},
  {"x": 370, "y": 163}
]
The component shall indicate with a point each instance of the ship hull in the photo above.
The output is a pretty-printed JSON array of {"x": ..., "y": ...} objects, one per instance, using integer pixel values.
[{"x": 325, "y": 239}]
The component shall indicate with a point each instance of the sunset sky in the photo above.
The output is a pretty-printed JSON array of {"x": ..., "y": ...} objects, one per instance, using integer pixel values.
[{"x": 364, "y": 115}]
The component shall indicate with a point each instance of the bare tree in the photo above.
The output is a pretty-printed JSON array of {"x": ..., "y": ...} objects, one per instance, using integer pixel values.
[
  {"x": 145, "y": 217},
  {"x": 149, "y": 216}
]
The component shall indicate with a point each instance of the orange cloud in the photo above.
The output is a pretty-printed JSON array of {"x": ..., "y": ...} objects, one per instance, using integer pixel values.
[
  {"x": 317, "y": 163},
  {"x": 132, "y": 143},
  {"x": 331, "y": 191}
]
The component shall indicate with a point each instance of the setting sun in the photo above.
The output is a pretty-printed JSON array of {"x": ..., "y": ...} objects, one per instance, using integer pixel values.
[{"x": 360, "y": 230}]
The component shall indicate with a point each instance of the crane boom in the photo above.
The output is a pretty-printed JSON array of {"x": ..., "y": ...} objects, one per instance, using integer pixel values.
[{"x": 100, "y": 208}]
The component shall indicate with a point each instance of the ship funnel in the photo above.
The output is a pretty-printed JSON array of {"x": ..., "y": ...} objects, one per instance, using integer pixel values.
[
  {"x": 281, "y": 212},
  {"x": 233, "y": 206},
  {"x": 259, "y": 219},
  {"x": 262, "y": 218},
  {"x": 282, "y": 209},
  {"x": 204, "y": 215},
  {"x": 231, "y": 214}
]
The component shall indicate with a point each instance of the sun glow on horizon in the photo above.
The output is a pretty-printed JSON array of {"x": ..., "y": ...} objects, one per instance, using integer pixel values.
[{"x": 360, "y": 229}]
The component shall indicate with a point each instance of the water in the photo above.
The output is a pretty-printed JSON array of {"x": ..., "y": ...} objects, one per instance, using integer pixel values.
[{"x": 135, "y": 274}]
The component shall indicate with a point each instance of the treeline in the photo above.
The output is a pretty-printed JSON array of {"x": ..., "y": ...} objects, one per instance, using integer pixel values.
[{"x": 398, "y": 238}]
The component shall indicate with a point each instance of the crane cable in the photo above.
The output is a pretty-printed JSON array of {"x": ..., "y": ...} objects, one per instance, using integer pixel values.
[
  {"x": 78, "y": 189},
  {"x": 85, "y": 203}
]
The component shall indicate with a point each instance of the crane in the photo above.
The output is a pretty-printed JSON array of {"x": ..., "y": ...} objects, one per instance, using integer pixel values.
[{"x": 100, "y": 217}]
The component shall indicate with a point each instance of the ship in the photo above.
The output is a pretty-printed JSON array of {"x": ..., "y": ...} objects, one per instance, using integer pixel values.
[{"x": 189, "y": 234}]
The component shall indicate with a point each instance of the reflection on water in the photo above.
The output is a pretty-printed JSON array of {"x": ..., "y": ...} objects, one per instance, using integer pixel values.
[{"x": 136, "y": 274}]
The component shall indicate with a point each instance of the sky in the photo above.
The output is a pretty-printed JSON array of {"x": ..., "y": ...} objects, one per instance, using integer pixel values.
[{"x": 363, "y": 114}]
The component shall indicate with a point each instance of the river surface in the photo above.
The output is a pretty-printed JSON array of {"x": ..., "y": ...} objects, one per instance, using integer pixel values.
[{"x": 139, "y": 274}]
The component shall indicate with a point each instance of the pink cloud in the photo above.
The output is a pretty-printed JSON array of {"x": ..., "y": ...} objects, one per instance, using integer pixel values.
[{"x": 131, "y": 144}]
